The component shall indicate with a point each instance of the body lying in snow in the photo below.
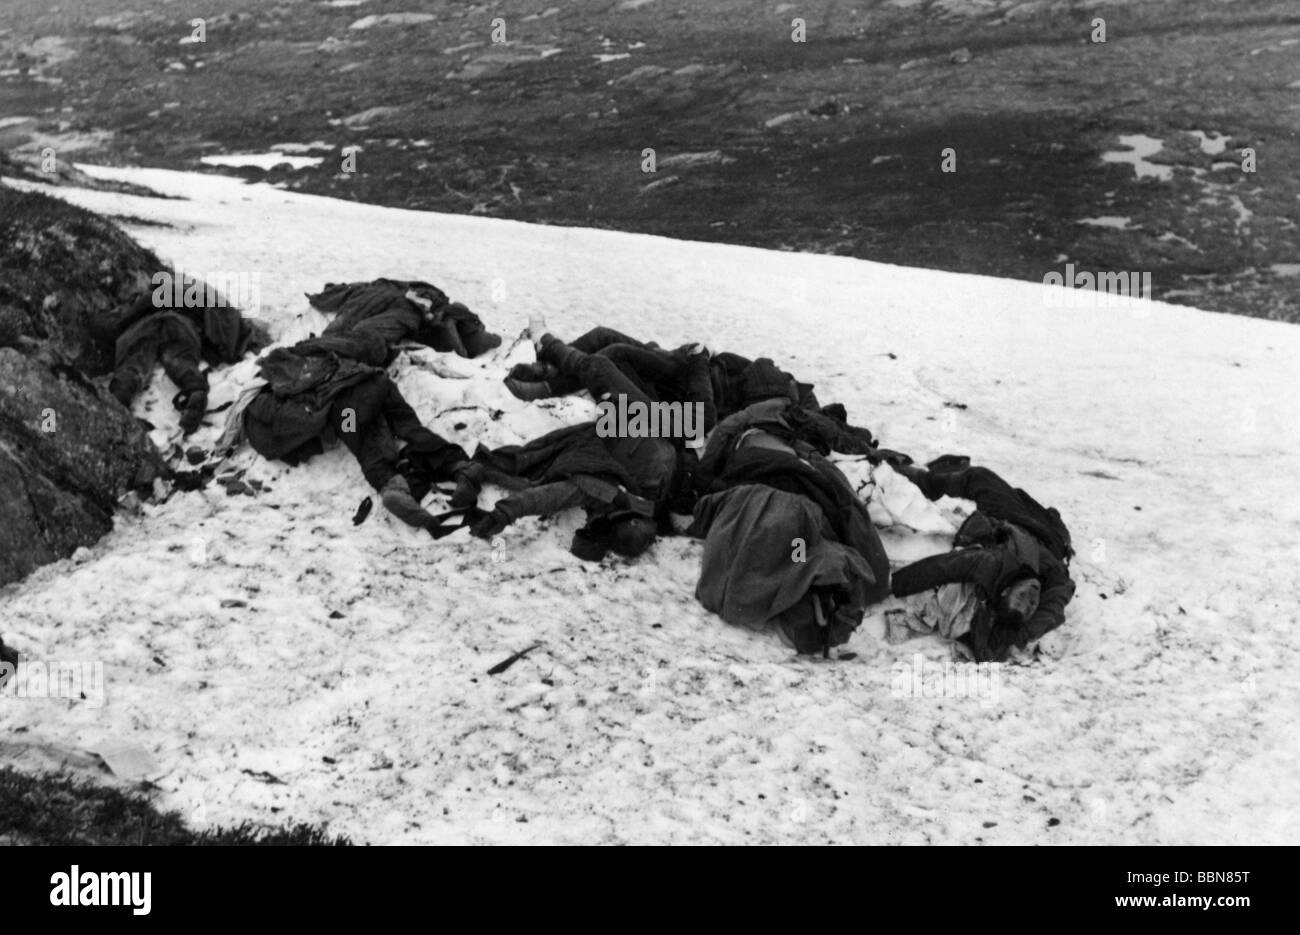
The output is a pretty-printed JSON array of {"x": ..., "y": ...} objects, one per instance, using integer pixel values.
[
  {"x": 722, "y": 384},
  {"x": 181, "y": 338},
  {"x": 336, "y": 386},
  {"x": 787, "y": 543},
  {"x": 405, "y": 310},
  {"x": 623, "y": 481},
  {"x": 1006, "y": 581}
]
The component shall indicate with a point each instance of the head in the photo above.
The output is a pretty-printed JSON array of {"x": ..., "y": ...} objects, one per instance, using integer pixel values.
[
  {"x": 1018, "y": 601},
  {"x": 628, "y": 534}
]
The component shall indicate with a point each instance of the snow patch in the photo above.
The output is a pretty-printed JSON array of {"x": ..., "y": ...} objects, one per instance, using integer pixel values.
[
  {"x": 1139, "y": 147},
  {"x": 348, "y": 684},
  {"x": 264, "y": 161}
]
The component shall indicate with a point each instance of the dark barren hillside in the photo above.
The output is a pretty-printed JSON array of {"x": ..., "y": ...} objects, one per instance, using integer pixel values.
[{"x": 828, "y": 145}]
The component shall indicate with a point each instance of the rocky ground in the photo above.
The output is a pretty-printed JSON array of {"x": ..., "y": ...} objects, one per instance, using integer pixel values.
[
  {"x": 830, "y": 145},
  {"x": 68, "y": 450}
]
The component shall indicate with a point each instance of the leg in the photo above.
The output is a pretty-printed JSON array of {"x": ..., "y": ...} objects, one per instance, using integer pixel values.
[
  {"x": 648, "y": 367},
  {"x": 542, "y": 380},
  {"x": 180, "y": 360},
  {"x": 402, "y": 419},
  {"x": 992, "y": 495},
  {"x": 597, "y": 374},
  {"x": 427, "y": 458},
  {"x": 135, "y": 356},
  {"x": 599, "y": 338},
  {"x": 674, "y": 376},
  {"x": 356, "y": 415}
]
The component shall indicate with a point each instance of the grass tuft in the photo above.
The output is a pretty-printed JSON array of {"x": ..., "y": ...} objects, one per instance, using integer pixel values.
[{"x": 54, "y": 809}]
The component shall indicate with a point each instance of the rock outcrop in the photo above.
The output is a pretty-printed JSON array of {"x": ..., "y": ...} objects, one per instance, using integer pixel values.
[{"x": 68, "y": 450}]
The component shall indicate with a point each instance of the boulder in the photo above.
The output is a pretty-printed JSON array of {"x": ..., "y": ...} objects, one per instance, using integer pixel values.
[
  {"x": 68, "y": 450},
  {"x": 63, "y": 271}
]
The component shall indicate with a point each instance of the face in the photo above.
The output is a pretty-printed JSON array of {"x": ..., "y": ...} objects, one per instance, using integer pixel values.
[{"x": 1021, "y": 599}]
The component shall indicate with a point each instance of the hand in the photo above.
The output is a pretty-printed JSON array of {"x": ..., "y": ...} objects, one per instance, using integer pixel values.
[{"x": 489, "y": 525}]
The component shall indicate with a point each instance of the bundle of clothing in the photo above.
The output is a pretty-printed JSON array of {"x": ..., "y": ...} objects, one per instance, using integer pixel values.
[
  {"x": 336, "y": 386},
  {"x": 400, "y": 310},
  {"x": 181, "y": 339},
  {"x": 1006, "y": 582},
  {"x": 787, "y": 543}
]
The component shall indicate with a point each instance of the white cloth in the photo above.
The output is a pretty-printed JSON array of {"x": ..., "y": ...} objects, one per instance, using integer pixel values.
[
  {"x": 233, "y": 433},
  {"x": 948, "y": 610}
]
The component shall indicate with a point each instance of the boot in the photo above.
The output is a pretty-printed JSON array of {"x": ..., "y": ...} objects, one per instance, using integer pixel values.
[
  {"x": 489, "y": 524},
  {"x": 528, "y": 390},
  {"x": 196, "y": 407},
  {"x": 553, "y": 351},
  {"x": 397, "y": 499},
  {"x": 534, "y": 372},
  {"x": 699, "y": 384},
  {"x": 469, "y": 481}
]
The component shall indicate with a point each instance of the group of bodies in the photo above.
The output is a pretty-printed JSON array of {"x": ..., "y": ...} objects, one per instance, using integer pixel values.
[{"x": 788, "y": 544}]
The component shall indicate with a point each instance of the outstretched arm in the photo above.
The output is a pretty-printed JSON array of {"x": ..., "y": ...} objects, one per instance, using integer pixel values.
[
  {"x": 973, "y": 483},
  {"x": 543, "y": 500},
  {"x": 964, "y": 565}
]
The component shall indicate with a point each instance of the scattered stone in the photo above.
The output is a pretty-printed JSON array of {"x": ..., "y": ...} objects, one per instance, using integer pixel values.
[
  {"x": 1025, "y": 10},
  {"x": 363, "y": 119},
  {"x": 641, "y": 73},
  {"x": 392, "y": 19},
  {"x": 501, "y": 57},
  {"x": 658, "y": 183},
  {"x": 960, "y": 57},
  {"x": 196, "y": 455},
  {"x": 688, "y": 160},
  {"x": 780, "y": 119},
  {"x": 913, "y": 63},
  {"x": 118, "y": 22}
]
